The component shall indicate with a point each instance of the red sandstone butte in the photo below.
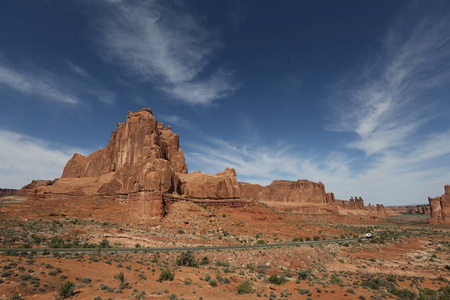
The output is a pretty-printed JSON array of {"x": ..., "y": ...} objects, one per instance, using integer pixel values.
[
  {"x": 440, "y": 206},
  {"x": 301, "y": 196},
  {"x": 223, "y": 185},
  {"x": 141, "y": 167}
]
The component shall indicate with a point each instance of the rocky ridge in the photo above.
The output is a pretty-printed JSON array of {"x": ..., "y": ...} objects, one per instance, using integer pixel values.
[{"x": 143, "y": 169}]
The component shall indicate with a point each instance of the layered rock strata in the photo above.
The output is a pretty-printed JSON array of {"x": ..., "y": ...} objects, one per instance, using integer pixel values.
[
  {"x": 301, "y": 196},
  {"x": 440, "y": 206}
]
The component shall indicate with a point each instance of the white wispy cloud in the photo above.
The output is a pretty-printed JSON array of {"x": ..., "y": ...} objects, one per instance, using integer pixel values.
[
  {"x": 402, "y": 89},
  {"x": 161, "y": 44},
  {"x": 174, "y": 120},
  {"x": 393, "y": 179},
  {"x": 42, "y": 85},
  {"x": 396, "y": 93},
  {"x": 77, "y": 69},
  {"x": 24, "y": 158}
]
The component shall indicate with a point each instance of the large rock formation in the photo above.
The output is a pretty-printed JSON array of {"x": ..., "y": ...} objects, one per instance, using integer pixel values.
[
  {"x": 140, "y": 166},
  {"x": 301, "y": 196},
  {"x": 141, "y": 155},
  {"x": 197, "y": 185},
  {"x": 440, "y": 206},
  {"x": 352, "y": 204}
]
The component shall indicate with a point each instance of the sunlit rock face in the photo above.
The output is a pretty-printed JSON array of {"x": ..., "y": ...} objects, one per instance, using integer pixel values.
[{"x": 440, "y": 206}]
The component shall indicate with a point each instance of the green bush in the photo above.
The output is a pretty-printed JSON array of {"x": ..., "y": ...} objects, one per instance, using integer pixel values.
[
  {"x": 245, "y": 288},
  {"x": 121, "y": 278},
  {"x": 304, "y": 274},
  {"x": 85, "y": 280},
  {"x": 205, "y": 260},
  {"x": 67, "y": 289},
  {"x": 404, "y": 294},
  {"x": 213, "y": 283},
  {"x": 187, "y": 259},
  {"x": 166, "y": 274},
  {"x": 335, "y": 279},
  {"x": 274, "y": 279}
]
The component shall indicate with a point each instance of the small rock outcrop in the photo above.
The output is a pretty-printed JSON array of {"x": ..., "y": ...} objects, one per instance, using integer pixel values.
[
  {"x": 440, "y": 206},
  {"x": 301, "y": 196},
  {"x": 353, "y": 203},
  {"x": 7, "y": 192}
]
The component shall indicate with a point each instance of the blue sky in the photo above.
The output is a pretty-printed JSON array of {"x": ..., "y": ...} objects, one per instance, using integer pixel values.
[{"x": 351, "y": 93}]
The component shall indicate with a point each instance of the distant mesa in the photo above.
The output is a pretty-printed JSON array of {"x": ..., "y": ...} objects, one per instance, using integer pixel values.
[{"x": 143, "y": 170}]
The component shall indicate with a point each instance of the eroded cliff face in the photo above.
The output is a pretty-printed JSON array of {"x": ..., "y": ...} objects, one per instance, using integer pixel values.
[
  {"x": 141, "y": 155},
  {"x": 223, "y": 185},
  {"x": 353, "y": 203},
  {"x": 141, "y": 167},
  {"x": 440, "y": 206},
  {"x": 300, "y": 196}
]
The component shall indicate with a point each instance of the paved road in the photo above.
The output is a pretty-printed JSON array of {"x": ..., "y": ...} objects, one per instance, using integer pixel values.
[{"x": 168, "y": 249}]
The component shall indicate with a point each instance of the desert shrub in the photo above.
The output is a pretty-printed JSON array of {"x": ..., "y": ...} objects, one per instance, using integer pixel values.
[
  {"x": 205, "y": 260},
  {"x": 222, "y": 264},
  {"x": 121, "y": 278},
  {"x": 303, "y": 291},
  {"x": 260, "y": 242},
  {"x": 335, "y": 279},
  {"x": 351, "y": 291},
  {"x": 373, "y": 283},
  {"x": 429, "y": 294},
  {"x": 67, "y": 289},
  {"x": 25, "y": 277},
  {"x": 187, "y": 259},
  {"x": 188, "y": 281},
  {"x": 85, "y": 280},
  {"x": 166, "y": 274},
  {"x": 304, "y": 274},
  {"x": 245, "y": 288},
  {"x": 274, "y": 279},
  {"x": 142, "y": 276},
  {"x": 391, "y": 278},
  {"x": 213, "y": 283},
  {"x": 404, "y": 294}
]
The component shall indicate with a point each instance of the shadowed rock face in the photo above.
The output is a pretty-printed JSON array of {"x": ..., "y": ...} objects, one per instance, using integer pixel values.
[
  {"x": 440, "y": 206},
  {"x": 141, "y": 155},
  {"x": 7, "y": 192}
]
